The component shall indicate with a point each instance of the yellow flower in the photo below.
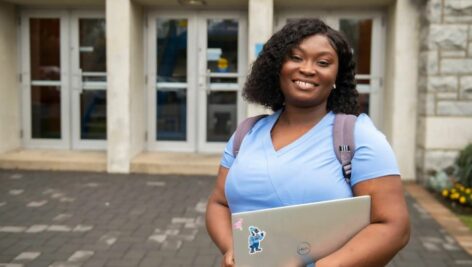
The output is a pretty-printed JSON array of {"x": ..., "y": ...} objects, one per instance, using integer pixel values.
[
  {"x": 462, "y": 200},
  {"x": 445, "y": 193},
  {"x": 467, "y": 191}
]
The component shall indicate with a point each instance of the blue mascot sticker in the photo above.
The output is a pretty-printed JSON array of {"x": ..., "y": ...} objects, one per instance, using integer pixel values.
[{"x": 254, "y": 240}]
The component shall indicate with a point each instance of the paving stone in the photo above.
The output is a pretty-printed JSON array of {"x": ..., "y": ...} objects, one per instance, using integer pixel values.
[
  {"x": 58, "y": 228},
  {"x": 16, "y": 192},
  {"x": 38, "y": 263},
  {"x": 82, "y": 228},
  {"x": 29, "y": 255},
  {"x": 37, "y": 228},
  {"x": 81, "y": 255},
  {"x": 12, "y": 229},
  {"x": 36, "y": 204},
  {"x": 65, "y": 264}
]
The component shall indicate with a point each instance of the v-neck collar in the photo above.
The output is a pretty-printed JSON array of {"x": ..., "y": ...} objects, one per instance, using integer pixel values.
[{"x": 300, "y": 140}]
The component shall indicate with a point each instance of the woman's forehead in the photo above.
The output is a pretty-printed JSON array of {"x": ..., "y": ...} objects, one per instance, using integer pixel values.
[{"x": 318, "y": 43}]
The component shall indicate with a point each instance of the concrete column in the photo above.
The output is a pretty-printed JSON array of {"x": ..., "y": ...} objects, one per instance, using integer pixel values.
[
  {"x": 125, "y": 93},
  {"x": 138, "y": 89},
  {"x": 9, "y": 86},
  {"x": 401, "y": 86},
  {"x": 261, "y": 23}
]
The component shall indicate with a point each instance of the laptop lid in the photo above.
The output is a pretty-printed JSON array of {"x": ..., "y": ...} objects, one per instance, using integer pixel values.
[{"x": 272, "y": 237}]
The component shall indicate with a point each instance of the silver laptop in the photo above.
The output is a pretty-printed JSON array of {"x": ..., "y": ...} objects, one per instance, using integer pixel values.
[{"x": 274, "y": 237}]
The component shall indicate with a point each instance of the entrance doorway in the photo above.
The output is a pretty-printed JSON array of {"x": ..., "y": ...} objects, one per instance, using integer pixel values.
[
  {"x": 195, "y": 71},
  {"x": 63, "y": 79}
]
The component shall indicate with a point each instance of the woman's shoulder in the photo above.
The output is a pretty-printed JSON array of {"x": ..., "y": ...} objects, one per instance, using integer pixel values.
[
  {"x": 365, "y": 123},
  {"x": 366, "y": 130}
]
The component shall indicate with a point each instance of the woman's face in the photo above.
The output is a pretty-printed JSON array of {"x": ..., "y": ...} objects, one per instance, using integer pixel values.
[{"x": 309, "y": 72}]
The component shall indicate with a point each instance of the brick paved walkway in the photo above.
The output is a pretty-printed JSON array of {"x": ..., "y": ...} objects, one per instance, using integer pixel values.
[{"x": 95, "y": 219}]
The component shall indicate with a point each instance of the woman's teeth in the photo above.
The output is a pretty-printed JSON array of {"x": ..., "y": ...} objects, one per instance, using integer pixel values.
[{"x": 305, "y": 85}]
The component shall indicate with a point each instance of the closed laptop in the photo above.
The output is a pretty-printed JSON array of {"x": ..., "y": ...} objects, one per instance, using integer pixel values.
[{"x": 273, "y": 237}]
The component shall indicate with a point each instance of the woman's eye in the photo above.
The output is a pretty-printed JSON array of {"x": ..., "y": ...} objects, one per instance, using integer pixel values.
[
  {"x": 295, "y": 58},
  {"x": 323, "y": 63}
]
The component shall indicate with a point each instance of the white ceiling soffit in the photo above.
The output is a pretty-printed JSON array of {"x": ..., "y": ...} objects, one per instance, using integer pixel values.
[
  {"x": 281, "y": 4},
  {"x": 58, "y": 3},
  {"x": 211, "y": 4}
]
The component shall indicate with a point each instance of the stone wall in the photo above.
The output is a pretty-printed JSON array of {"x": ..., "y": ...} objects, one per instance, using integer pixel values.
[{"x": 445, "y": 84}]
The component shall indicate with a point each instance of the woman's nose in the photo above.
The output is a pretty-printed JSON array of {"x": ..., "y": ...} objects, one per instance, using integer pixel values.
[{"x": 307, "y": 68}]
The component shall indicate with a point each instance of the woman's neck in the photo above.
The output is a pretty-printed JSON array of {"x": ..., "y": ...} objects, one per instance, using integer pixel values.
[{"x": 295, "y": 116}]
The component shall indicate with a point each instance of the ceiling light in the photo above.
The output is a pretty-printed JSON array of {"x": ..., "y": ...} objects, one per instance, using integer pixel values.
[{"x": 192, "y": 2}]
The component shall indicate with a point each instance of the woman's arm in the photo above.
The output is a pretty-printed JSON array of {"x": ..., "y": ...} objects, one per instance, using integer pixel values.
[
  {"x": 218, "y": 218},
  {"x": 388, "y": 232}
]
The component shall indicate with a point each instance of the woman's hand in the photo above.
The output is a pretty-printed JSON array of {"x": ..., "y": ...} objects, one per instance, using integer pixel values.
[{"x": 228, "y": 259}]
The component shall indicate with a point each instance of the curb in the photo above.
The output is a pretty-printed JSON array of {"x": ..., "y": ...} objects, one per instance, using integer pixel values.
[{"x": 446, "y": 218}]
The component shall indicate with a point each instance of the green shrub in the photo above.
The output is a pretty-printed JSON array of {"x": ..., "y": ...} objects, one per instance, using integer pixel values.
[{"x": 464, "y": 166}]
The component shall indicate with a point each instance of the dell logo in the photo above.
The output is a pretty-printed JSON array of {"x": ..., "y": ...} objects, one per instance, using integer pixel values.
[{"x": 303, "y": 248}]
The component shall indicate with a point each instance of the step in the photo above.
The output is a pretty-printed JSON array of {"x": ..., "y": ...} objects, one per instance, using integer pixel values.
[
  {"x": 96, "y": 161},
  {"x": 176, "y": 163},
  {"x": 54, "y": 160}
]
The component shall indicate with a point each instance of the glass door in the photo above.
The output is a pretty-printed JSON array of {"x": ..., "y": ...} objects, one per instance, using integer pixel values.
[
  {"x": 194, "y": 78},
  {"x": 171, "y": 81},
  {"x": 63, "y": 79},
  {"x": 44, "y": 79},
  {"x": 89, "y": 80},
  {"x": 366, "y": 34},
  {"x": 221, "y": 68}
]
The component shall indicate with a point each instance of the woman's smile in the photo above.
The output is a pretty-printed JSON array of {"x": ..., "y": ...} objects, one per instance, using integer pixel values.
[{"x": 306, "y": 85}]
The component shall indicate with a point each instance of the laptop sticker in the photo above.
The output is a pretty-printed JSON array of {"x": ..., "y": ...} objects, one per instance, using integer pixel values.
[
  {"x": 255, "y": 238},
  {"x": 238, "y": 224}
]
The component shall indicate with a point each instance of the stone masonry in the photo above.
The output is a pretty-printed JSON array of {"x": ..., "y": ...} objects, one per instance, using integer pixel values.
[{"x": 445, "y": 75}]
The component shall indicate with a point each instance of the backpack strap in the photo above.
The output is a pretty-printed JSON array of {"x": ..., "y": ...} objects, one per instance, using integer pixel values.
[
  {"x": 242, "y": 130},
  {"x": 343, "y": 141}
]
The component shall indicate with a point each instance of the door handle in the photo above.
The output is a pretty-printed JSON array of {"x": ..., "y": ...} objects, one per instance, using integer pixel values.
[{"x": 77, "y": 83}]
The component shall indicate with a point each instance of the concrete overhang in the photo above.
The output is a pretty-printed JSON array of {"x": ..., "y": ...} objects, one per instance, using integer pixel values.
[
  {"x": 211, "y": 4},
  {"x": 57, "y": 3}
]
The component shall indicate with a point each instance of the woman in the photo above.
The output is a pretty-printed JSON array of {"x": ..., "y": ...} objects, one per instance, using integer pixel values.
[{"x": 305, "y": 74}]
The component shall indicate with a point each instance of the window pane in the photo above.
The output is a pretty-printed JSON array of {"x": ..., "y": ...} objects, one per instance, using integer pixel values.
[
  {"x": 222, "y": 52},
  {"x": 92, "y": 45},
  {"x": 46, "y": 112},
  {"x": 93, "y": 114},
  {"x": 172, "y": 115},
  {"x": 221, "y": 116},
  {"x": 172, "y": 50},
  {"x": 364, "y": 103},
  {"x": 359, "y": 34},
  {"x": 45, "y": 49}
]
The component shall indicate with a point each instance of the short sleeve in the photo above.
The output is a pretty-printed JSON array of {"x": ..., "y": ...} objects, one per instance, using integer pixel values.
[
  {"x": 228, "y": 157},
  {"x": 373, "y": 156}
]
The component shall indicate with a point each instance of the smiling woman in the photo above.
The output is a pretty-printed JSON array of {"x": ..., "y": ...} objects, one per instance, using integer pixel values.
[{"x": 305, "y": 74}]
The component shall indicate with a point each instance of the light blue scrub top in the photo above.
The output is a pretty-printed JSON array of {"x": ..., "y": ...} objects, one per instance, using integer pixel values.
[{"x": 304, "y": 171}]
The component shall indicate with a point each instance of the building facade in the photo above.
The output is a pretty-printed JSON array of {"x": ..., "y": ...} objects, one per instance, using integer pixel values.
[{"x": 126, "y": 77}]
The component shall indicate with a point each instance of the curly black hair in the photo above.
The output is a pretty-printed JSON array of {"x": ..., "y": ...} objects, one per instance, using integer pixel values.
[{"x": 263, "y": 85}]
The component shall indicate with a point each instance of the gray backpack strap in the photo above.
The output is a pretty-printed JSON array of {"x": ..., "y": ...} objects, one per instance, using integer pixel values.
[
  {"x": 343, "y": 140},
  {"x": 242, "y": 130}
]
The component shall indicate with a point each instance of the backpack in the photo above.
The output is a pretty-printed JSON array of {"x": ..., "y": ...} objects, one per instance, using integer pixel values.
[{"x": 343, "y": 139}]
